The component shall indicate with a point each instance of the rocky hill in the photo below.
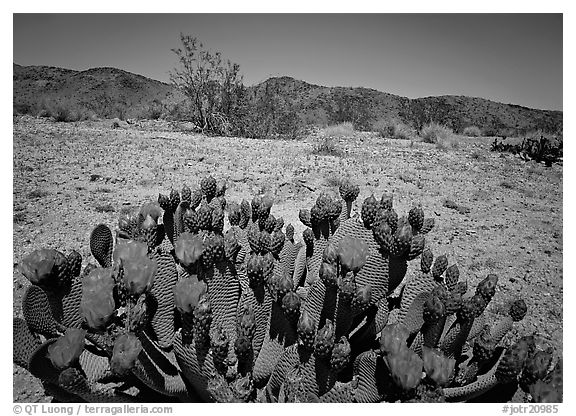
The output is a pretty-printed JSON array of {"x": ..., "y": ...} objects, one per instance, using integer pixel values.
[{"x": 111, "y": 92}]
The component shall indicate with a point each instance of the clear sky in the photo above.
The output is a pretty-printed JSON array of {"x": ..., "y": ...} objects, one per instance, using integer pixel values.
[{"x": 510, "y": 58}]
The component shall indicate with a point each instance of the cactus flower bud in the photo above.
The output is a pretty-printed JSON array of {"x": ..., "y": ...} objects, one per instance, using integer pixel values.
[
  {"x": 242, "y": 347},
  {"x": 126, "y": 349},
  {"x": 340, "y": 354},
  {"x": 291, "y": 305},
  {"x": 324, "y": 342},
  {"x": 330, "y": 254},
  {"x": 352, "y": 253},
  {"x": 433, "y": 310},
  {"x": 219, "y": 343},
  {"x": 231, "y": 245},
  {"x": 306, "y": 329},
  {"x": 308, "y": 237},
  {"x": 328, "y": 274},
  {"x": 487, "y": 287},
  {"x": 304, "y": 216},
  {"x": 362, "y": 298},
  {"x": 383, "y": 236},
  {"x": 66, "y": 350},
  {"x": 316, "y": 215},
  {"x": 347, "y": 288},
  {"x": 348, "y": 191},
  {"x": 247, "y": 324},
  {"x": 387, "y": 201},
  {"x": 369, "y": 211},
  {"x": 285, "y": 285}
]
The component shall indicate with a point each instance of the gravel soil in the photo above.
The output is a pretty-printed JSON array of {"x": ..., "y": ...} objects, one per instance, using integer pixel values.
[{"x": 494, "y": 213}]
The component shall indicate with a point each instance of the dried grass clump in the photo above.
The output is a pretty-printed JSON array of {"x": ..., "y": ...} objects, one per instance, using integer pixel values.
[{"x": 434, "y": 132}]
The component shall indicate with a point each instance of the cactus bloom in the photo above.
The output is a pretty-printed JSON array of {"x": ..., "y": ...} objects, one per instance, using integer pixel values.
[
  {"x": 65, "y": 351},
  {"x": 393, "y": 339},
  {"x": 187, "y": 294},
  {"x": 151, "y": 208},
  {"x": 97, "y": 303},
  {"x": 406, "y": 368},
  {"x": 437, "y": 366},
  {"x": 188, "y": 248},
  {"x": 139, "y": 274},
  {"x": 330, "y": 254},
  {"x": 42, "y": 266},
  {"x": 126, "y": 350},
  {"x": 97, "y": 308},
  {"x": 352, "y": 253}
]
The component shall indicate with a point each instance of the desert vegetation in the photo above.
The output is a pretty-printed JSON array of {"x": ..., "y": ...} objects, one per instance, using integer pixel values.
[
  {"x": 176, "y": 253},
  {"x": 296, "y": 276}
]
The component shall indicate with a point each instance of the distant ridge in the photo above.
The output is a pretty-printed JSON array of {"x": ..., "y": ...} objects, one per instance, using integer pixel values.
[{"x": 111, "y": 89}]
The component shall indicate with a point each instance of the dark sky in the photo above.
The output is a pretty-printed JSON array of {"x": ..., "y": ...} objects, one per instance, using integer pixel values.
[{"x": 510, "y": 58}]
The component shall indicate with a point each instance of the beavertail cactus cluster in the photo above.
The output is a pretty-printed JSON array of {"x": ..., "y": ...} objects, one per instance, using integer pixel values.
[{"x": 196, "y": 298}]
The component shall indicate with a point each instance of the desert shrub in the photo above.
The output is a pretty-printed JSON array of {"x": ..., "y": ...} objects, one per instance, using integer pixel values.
[
  {"x": 210, "y": 82},
  {"x": 326, "y": 145},
  {"x": 21, "y": 108},
  {"x": 393, "y": 129},
  {"x": 340, "y": 130},
  {"x": 472, "y": 131},
  {"x": 433, "y": 132}
]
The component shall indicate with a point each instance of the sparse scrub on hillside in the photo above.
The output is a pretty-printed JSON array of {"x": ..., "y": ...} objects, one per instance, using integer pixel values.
[
  {"x": 472, "y": 131},
  {"x": 434, "y": 132},
  {"x": 62, "y": 111},
  {"x": 393, "y": 129}
]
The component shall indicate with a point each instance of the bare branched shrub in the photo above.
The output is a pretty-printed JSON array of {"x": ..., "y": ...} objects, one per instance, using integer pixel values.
[
  {"x": 433, "y": 132},
  {"x": 210, "y": 83},
  {"x": 393, "y": 129}
]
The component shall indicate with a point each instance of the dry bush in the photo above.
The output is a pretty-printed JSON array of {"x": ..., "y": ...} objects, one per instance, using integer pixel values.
[
  {"x": 434, "y": 132},
  {"x": 338, "y": 131},
  {"x": 393, "y": 129},
  {"x": 326, "y": 146},
  {"x": 472, "y": 131}
]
